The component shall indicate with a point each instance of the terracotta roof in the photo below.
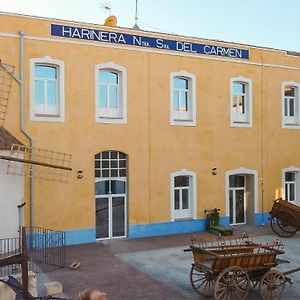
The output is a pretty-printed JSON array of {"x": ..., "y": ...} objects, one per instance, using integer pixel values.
[{"x": 7, "y": 139}]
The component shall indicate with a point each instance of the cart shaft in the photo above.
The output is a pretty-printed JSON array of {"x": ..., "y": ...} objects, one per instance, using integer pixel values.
[{"x": 292, "y": 271}]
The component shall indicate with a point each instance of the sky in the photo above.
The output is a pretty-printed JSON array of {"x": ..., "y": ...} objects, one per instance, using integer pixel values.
[{"x": 268, "y": 23}]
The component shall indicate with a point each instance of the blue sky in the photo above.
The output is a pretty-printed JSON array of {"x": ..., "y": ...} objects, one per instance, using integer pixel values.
[{"x": 270, "y": 23}]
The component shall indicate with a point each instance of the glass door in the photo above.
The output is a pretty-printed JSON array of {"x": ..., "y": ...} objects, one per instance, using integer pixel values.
[
  {"x": 110, "y": 209},
  {"x": 118, "y": 216},
  {"x": 102, "y": 218},
  {"x": 237, "y": 207}
]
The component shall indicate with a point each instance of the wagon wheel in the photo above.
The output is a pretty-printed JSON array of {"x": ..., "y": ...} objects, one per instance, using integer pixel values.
[
  {"x": 202, "y": 281},
  {"x": 232, "y": 283},
  {"x": 284, "y": 224},
  {"x": 272, "y": 285}
]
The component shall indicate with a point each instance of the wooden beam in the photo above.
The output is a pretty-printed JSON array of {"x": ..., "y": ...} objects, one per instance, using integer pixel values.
[
  {"x": 39, "y": 163},
  {"x": 10, "y": 260},
  {"x": 24, "y": 263}
]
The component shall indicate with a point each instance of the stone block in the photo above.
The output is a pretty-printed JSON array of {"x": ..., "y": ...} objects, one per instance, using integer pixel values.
[{"x": 53, "y": 288}]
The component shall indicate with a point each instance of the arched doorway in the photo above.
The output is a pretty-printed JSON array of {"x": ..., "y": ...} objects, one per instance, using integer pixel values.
[{"x": 111, "y": 194}]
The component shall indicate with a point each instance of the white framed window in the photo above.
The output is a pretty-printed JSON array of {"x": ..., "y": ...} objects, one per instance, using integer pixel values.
[
  {"x": 183, "y": 99},
  {"x": 291, "y": 184},
  {"x": 47, "y": 89},
  {"x": 240, "y": 102},
  {"x": 290, "y": 105},
  {"x": 183, "y": 195},
  {"x": 111, "y": 93}
]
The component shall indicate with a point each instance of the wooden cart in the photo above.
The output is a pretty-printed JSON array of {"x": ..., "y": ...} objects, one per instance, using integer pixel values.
[
  {"x": 226, "y": 267},
  {"x": 284, "y": 218}
]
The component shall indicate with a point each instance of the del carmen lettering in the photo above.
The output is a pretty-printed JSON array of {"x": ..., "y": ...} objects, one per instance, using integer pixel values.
[{"x": 146, "y": 41}]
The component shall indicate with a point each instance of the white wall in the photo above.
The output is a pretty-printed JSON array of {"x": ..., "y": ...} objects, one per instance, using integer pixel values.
[{"x": 11, "y": 195}]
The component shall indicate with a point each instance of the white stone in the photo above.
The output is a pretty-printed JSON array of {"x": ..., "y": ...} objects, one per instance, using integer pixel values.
[{"x": 53, "y": 288}]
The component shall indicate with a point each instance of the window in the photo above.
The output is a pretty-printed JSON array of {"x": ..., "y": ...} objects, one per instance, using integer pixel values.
[
  {"x": 183, "y": 195},
  {"x": 183, "y": 99},
  {"x": 290, "y": 105},
  {"x": 46, "y": 90},
  {"x": 110, "y": 164},
  {"x": 290, "y": 186},
  {"x": 241, "y": 102},
  {"x": 111, "y": 103}
]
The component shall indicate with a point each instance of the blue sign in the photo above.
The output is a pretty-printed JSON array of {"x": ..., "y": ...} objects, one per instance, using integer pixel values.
[{"x": 146, "y": 41}]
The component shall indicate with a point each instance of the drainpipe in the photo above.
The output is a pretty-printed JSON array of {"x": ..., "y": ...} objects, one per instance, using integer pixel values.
[{"x": 22, "y": 98}]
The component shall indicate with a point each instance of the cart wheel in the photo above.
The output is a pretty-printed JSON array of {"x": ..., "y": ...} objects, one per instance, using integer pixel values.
[
  {"x": 201, "y": 281},
  {"x": 272, "y": 285},
  {"x": 284, "y": 224},
  {"x": 232, "y": 283}
]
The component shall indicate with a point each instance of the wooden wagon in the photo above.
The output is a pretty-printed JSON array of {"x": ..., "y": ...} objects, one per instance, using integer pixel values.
[
  {"x": 284, "y": 218},
  {"x": 227, "y": 267}
]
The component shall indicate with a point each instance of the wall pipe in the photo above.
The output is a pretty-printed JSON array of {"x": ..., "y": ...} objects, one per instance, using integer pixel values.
[{"x": 22, "y": 105}]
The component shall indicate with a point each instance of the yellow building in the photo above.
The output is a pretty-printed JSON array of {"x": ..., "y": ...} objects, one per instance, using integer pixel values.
[{"x": 160, "y": 127}]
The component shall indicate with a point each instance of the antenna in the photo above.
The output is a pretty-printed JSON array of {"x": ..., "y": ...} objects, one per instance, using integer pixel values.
[
  {"x": 106, "y": 6},
  {"x": 136, "y": 17}
]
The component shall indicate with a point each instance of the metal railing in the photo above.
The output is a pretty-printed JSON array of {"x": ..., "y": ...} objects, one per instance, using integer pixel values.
[
  {"x": 8, "y": 247},
  {"x": 46, "y": 250}
]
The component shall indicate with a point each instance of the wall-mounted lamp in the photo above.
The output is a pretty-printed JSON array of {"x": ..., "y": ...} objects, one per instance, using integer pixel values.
[
  {"x": 214, "y": 171},
  {"x": 79, "y": 174}
]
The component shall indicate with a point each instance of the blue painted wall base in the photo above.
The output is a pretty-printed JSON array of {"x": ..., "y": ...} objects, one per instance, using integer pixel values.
[
  {"x": 262, "y": 219},
  {"x": 80, "y": 236},
  {"x": 85, "y": 236},
  {"x": 158, "y": 229}
]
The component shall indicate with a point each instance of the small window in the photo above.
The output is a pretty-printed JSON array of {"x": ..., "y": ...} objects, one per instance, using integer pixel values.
[
  {"x": 241, "y": 102},
  {"x": 111, "y": 105},
  {"x": 47, "y": 90},
  {"x": 183, "y": 99},
  {"x": 290, "y": 186},
  {"x": 183, "y": 195},
  {"x": 290, "y": 105}
]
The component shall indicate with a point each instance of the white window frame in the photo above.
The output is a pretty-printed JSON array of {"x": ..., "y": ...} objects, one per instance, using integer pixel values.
[
  {"x": 297, "y": 182},
  {"x": 60, "y": 66},
  {"x": 191, "y": 120},
  {"x": 122, "y": 95},
  {"x": 287, "y": 122},
  {"x": 179, "y": 215},
  {"x": 233, "y": 120}
]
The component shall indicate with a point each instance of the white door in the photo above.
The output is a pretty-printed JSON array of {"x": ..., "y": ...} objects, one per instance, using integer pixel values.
[
  {"x": 11, "y": 196},
  {"x": 237, "y": 199}
]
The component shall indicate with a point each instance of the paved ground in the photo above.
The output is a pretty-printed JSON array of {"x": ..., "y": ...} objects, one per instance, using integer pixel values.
[{"x": 152, "y": 268}]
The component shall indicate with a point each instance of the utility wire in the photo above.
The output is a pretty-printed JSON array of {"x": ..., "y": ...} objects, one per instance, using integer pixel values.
[{"x": 153, "y": 27}]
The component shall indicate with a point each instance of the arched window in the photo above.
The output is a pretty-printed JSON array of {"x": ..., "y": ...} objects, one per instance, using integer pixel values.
[
  {"x": 183, "y": 99},
  {"x": 111, "y": 100},
  {"x": 240, "y": 102},
  {"x": 46, "y": 89},
  {"x": 183, "y": 195},
  {"x": 110, "y": 164}
]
